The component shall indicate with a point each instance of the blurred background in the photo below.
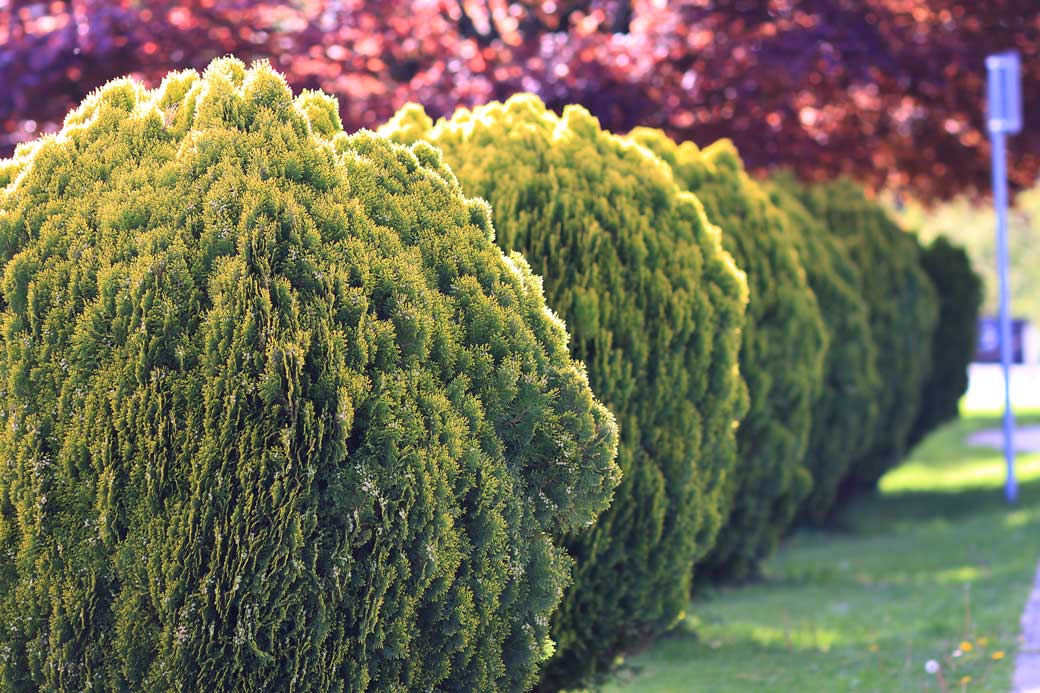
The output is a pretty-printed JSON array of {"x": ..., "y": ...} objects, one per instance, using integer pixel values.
[{"x": 889, "y": 91}]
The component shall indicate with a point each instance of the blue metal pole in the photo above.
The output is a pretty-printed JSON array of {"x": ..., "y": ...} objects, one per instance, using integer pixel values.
[{"x": 1000, "y": 201}]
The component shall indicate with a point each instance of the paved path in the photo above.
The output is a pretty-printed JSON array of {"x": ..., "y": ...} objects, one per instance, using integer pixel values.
[
  {"x": 1027, "y": 663},
  {"x": 986, "y": 387},
  {"x": 1027, "y": 438}
]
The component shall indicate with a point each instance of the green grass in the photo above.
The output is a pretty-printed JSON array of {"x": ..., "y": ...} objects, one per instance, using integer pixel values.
[{"x": 936, "y": 558}]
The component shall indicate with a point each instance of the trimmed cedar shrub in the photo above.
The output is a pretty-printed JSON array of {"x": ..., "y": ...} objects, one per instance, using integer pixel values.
[
  {"x": 781, "y": 356},
  {"x": 960, "y": 298},
  {"x": 655, "y": 307},
  {"x": 844, "y": 415},
  {"x": 903, "y": 312},
  {"x": 277, "y": 413}
]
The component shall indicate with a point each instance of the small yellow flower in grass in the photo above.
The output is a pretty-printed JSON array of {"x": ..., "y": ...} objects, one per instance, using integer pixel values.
[
  {"x": 873, "y": 647},
  {"x": 966, "y": 646},
  {"x": 998, "y": 655},
  {"x": 965, "y": 680}
]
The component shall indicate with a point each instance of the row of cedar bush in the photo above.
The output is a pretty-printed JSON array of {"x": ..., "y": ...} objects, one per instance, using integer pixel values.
[{"x": 287, "y": 408}]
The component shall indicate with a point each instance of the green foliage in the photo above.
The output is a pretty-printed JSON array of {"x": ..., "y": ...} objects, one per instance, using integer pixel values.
[
  {"x": 277, "y": 413},
  {"x": 843, "y": 417},
  {"x": 655, "y": 307},
  {"x": 903, "y": 312},
  {"x": 960, "y": 297},
  {"x": 781, "y": 356}
]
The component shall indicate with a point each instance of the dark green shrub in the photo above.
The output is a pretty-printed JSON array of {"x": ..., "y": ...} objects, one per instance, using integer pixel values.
[
  {"x": 903, "y": 310},
  {"x": 277, "y": 413},
  {"x": 960, "y": 297},
  {"x": 781, "y": 356},
  {"x": 655, "y": 308},
  {"x": 843, "y": 417}
]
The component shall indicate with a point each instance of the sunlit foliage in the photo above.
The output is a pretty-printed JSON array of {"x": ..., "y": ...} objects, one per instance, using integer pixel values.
[
  {"x": 781, "y": 356},
  {"x": 655, "y": 307},
  {"x": 277, "y": 413}
]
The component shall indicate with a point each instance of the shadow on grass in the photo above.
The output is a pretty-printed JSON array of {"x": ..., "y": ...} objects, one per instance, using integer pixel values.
[
  {"x": 886, "y": 512},
  {"x": 943, "y": 478}
]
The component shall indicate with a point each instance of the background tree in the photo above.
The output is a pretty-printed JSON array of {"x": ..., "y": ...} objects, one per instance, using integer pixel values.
[{"x": 887, "y": 91}]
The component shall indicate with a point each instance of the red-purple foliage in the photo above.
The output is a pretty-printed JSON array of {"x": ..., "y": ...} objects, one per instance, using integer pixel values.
[{"x": 889, "y": 91}]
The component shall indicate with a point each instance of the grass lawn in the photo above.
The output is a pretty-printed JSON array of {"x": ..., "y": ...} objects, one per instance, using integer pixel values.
[{"x": 906, "y": 576}]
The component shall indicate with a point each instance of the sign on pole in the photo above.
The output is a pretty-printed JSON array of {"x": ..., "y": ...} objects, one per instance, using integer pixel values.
[
  {"x": 1004, "y": 117},
  {"x": 1004, "y": 89}
]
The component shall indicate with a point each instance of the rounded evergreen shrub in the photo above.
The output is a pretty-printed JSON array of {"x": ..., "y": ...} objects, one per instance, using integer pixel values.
[
  {"x": 277, "y": 413},
  {"x": 655, "y": 307},
  {"x": 959, "y": 290},
  {"x": 781, "y": 356},
  {"x": 843, "y": 417},
  {"x": 903, "y": 311}
]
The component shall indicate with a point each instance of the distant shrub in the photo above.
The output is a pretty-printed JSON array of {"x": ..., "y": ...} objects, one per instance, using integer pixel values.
[
  {"x": 781, "y": 356},
  {"x": 903, "y": 312},
  {"x": 960, "y": 298},
  {"x": 655, "y": 307},
  {"x": 843, "y": 418},
  {"x": 968, "y": 222},
  {"x": 277, "y": 413}
]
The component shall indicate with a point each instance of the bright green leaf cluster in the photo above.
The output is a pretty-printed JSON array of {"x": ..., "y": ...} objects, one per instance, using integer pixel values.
[
  {"x": 655, "y": 307},
  {"x": 781, "y": 356},
  {"x": 276, "y": 412}
]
